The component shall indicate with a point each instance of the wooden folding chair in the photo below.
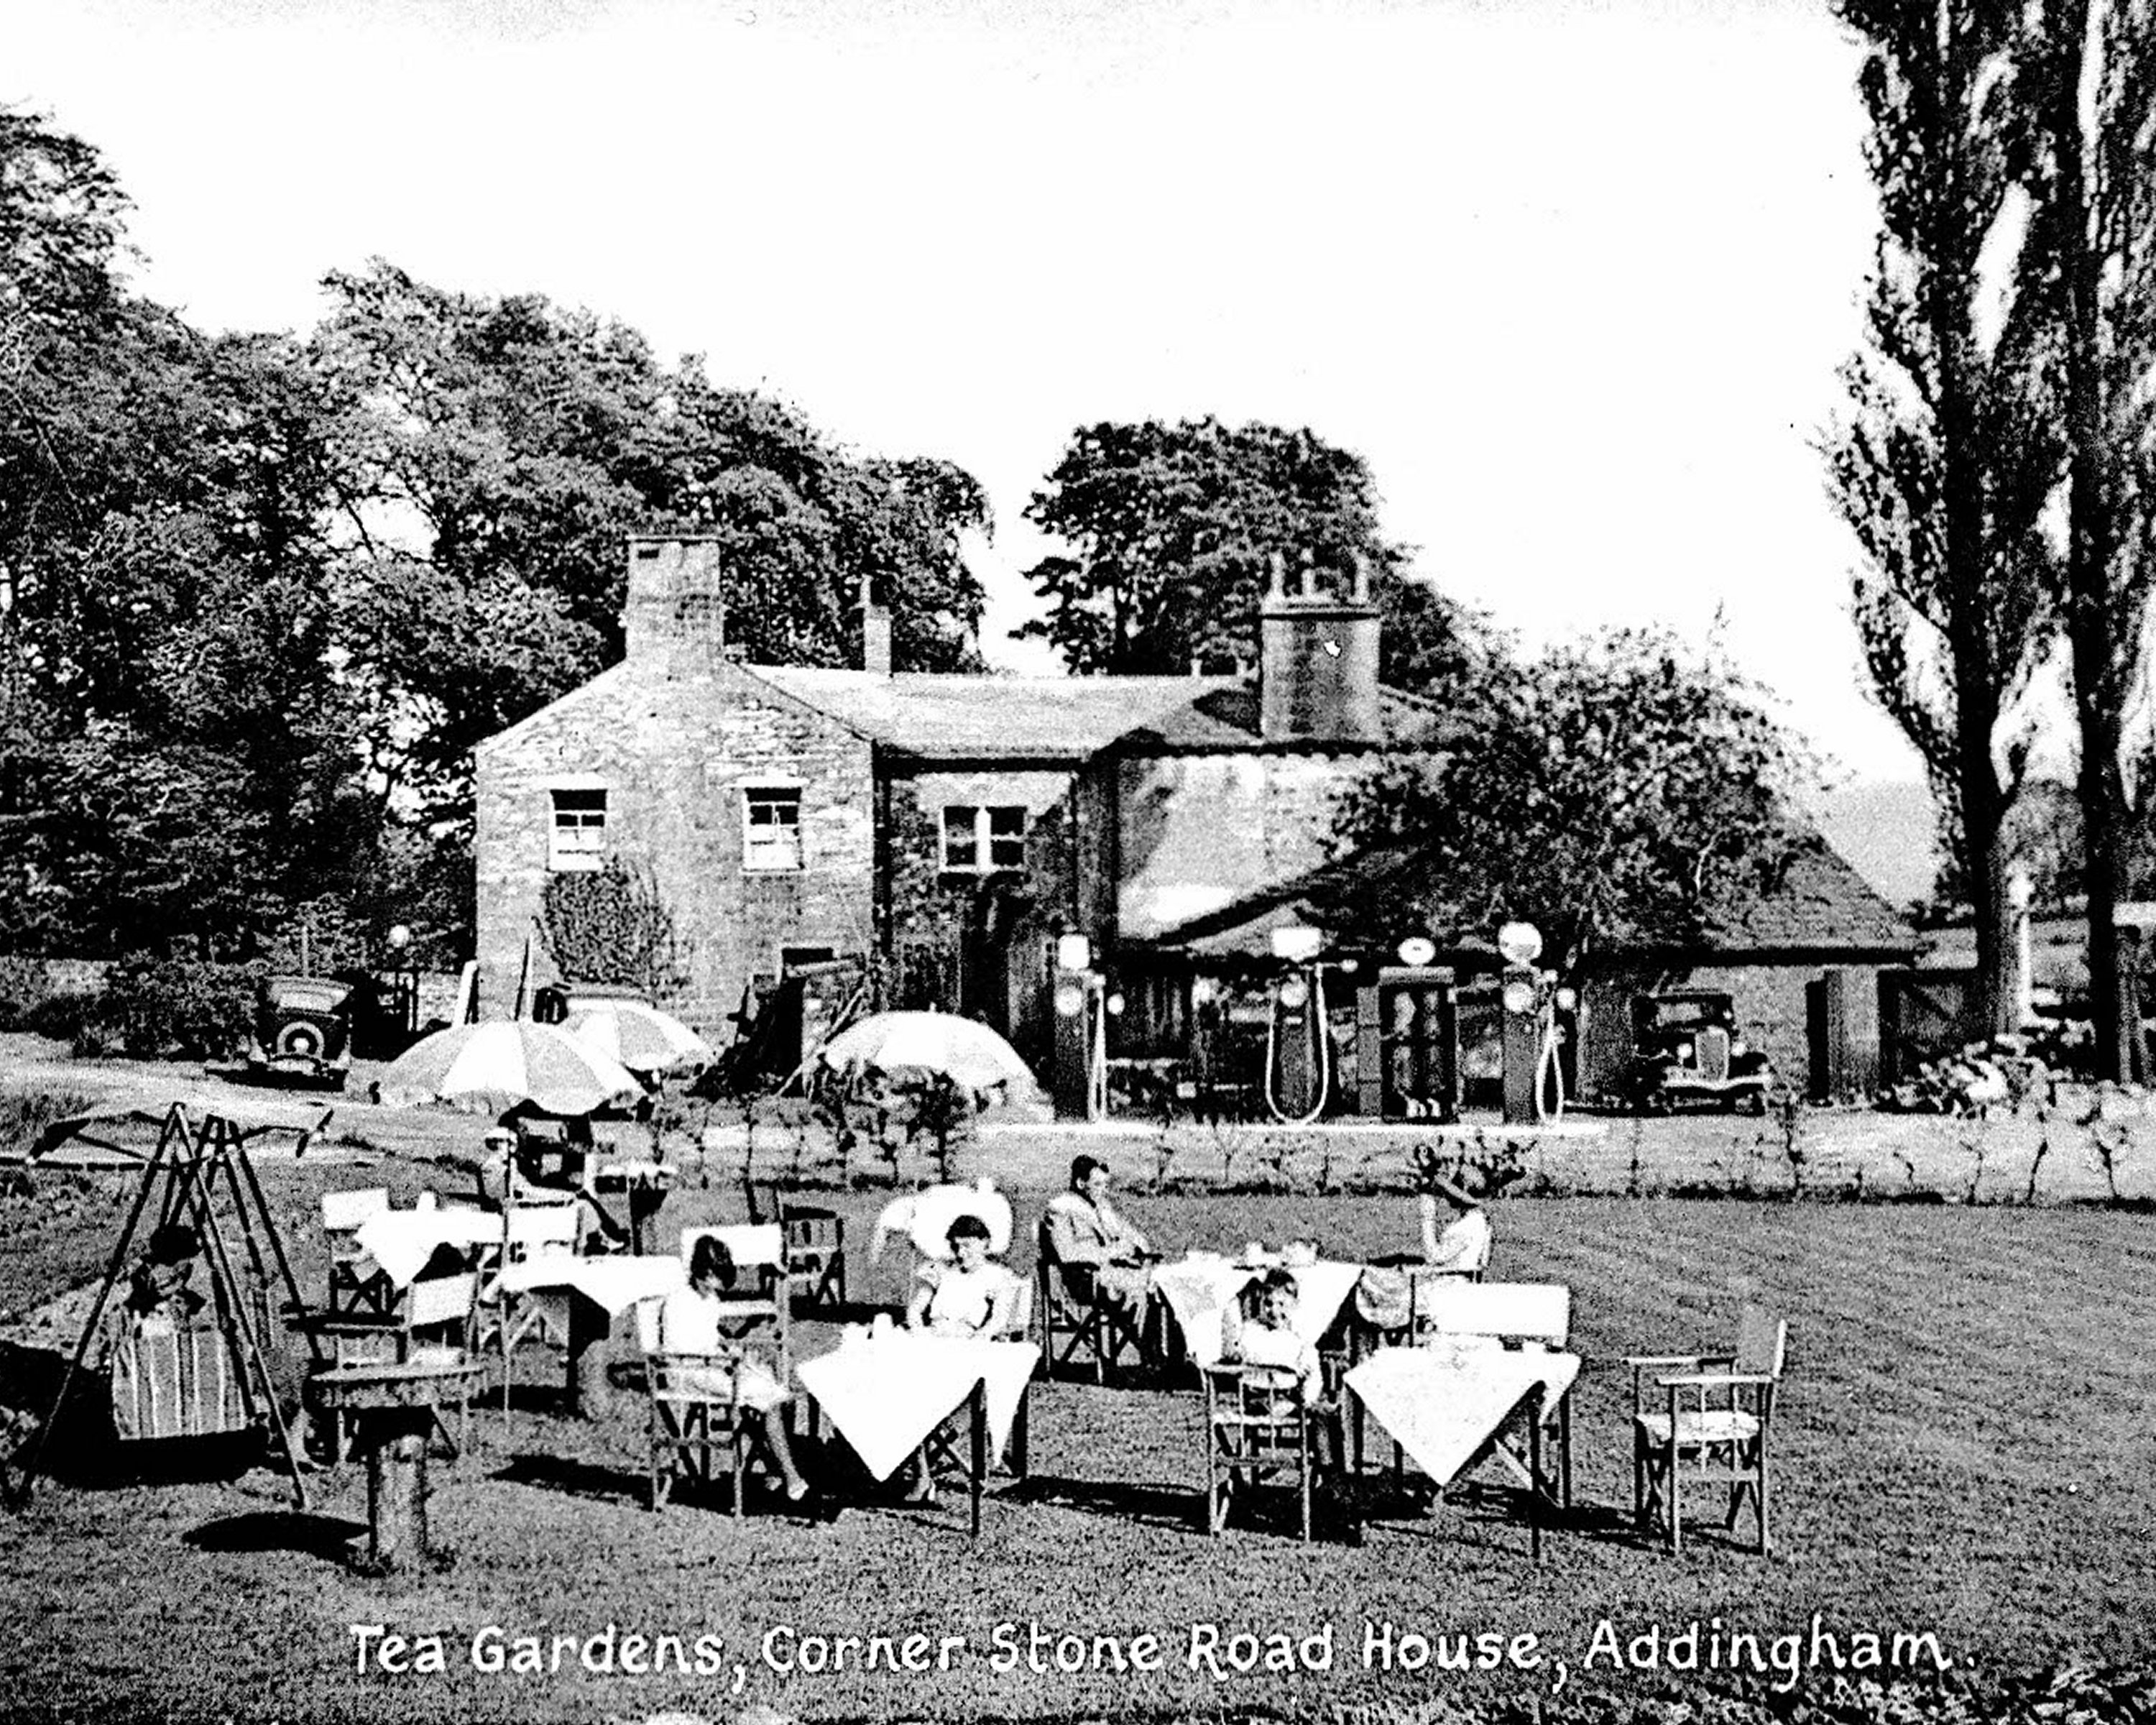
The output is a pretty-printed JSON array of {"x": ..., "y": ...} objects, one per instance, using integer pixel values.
[
  {"x": 435, "y": 1315},
  {"x": 1012, "y": 1322},
  {"x": 699, "y": 1419},
  {"x": 1259, "y": 1426},
  {"x": 356, "y": 1286},
  {"x": 815, "y": 1254},
  {"x": 1074, "y": 1319},
  {"x": 1713, "y": 1425},
  {"x": 508, "y": 1320}
]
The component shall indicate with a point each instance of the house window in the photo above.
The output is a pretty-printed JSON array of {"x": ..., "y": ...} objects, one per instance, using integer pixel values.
[
  {"x": 771, "y": 829},
  {"x": 578, "y": 841},
  {"x": 983, "y": 840}
]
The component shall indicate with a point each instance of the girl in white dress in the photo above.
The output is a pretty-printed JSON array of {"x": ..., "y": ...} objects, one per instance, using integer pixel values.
[{"x": 691, "y": 1321}]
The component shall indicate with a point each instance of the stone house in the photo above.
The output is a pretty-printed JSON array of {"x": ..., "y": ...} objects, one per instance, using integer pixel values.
[{"x": 943, "y": 829}]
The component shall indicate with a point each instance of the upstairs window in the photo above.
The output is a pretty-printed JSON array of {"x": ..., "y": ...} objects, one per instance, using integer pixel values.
[
  {"x": 771, "y": 829},
  {"x": 579, "y": 839},
  {"x": 983, "y": 840}
]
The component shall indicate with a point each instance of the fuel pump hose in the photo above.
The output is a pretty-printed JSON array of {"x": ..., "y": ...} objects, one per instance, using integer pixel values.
[{"x": 1321, "y": 1049}]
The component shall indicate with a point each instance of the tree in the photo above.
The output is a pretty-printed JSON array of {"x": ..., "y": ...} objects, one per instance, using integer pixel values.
[
  {"x": 2091, "y": 85},
  {"x": 1617, "y": 787},
  {"x": 1943, "y": 458},
  {"x": 1169, "y": 529},
  {"x": 527, "y": 441}
]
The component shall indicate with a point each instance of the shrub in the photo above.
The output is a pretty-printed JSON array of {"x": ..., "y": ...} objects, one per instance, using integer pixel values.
[
  {"x": 155, "y": 1007},
  {"x": 63, "y": 1017}
]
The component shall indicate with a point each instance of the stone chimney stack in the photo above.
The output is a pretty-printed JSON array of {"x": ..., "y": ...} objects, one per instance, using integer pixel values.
[
  {"x": 875, "y": 633},
  {"x": 675, "y": 607},
  {"x": 1317, "y": 659}
]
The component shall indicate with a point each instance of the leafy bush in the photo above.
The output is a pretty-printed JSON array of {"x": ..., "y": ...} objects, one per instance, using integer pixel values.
[
  {"x": 63, "y": 1018},
  {"x": 155, "y": 1006},
  {"x": 22, "y": 990}
]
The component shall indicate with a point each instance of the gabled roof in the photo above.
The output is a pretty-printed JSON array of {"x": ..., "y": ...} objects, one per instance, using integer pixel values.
[
  {"x": 1225, "y": 716},
  {"x": 1820, "y": 905},
  {"x": 951, "y": 716}
]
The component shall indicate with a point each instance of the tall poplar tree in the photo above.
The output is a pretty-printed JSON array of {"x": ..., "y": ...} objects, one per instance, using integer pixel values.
[{"x": 1943, "y": 458}]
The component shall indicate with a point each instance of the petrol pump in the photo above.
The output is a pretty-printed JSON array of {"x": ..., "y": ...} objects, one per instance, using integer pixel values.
[
  {"x": 1079, "y": 1069},
  {"x": 1298, "y": 1072},
  {"x": 1534, "y": 1077}
]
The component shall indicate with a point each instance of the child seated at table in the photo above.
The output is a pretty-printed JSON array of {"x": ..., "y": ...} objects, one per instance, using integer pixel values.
[
  {"x": 1260, "y": 1332},
  {"x": 691, "y": 1323}
]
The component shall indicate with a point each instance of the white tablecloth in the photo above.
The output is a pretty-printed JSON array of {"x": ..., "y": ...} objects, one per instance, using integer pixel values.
[
  {"x": 885, "y": 1394},
  {"x": 614, "y": 1284},
  {"x": 1443, "y": 1403},
  {"x": 401, "y": 1242},
  {"x": 1199, "y": 1290}
]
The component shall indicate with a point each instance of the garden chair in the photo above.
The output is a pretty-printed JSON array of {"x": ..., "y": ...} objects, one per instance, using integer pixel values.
[
  {"x": 1074, "y": 1321},
  {"x": 815, "y": 1254},
  {"x": 436, "y": 1315},
  {"x": 1260, "y": 1427},
  {"x": 697, "y": 1416},
  {"x": 1713, "y": 1425},
  {"x": 1012, "y": 1323},
  {"x": 507, "y": 1320},
  {"x": 355, "y": 1285}
]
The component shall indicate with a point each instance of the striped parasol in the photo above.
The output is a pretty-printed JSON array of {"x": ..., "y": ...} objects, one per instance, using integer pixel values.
[
  {"x": 639, "y": 1037},
  {"x": 490, "y": 1068}
]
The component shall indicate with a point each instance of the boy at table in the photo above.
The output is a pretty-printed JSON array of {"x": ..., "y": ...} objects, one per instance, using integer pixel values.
[
  {"x": 690, "y": 1320},
  {"x": 1260, "y": 1332},
  {"x": 971, "y": 1295}
]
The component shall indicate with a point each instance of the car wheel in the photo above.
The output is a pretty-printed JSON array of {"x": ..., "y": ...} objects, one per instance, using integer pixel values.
[{"x": 301, "y": 1041}]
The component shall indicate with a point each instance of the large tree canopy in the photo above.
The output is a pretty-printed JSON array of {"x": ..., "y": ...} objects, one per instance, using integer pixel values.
[
  {"x": 1169, "y": 529},
  {"x": 526, "y": 441},
  {"x": 1614, "y": 786},
  {"x": 259, "y": 597}
]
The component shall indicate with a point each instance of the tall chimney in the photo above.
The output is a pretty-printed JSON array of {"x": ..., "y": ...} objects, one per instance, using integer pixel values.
[
  {"x": 1317, "y": 659},
  {"x": 674, "y": 609},
  {"x": 875, "y": 633}
]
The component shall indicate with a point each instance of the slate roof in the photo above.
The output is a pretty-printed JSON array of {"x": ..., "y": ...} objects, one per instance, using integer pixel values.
[
  {"x": 951, "y": 716},
  {"x": 1821, "y": 905}
]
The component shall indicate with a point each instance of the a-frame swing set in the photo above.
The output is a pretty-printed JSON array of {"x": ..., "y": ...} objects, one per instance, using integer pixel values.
[{"x": 196, "y": 1170}]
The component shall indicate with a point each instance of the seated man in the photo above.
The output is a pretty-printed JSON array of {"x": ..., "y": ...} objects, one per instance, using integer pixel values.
[{"x": 1102, "y": 1256}]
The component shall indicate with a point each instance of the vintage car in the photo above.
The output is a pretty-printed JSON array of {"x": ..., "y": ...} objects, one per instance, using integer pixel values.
[
  {"x": 1686, "y": 1049},
  {"x": 303, "y": 1029}
]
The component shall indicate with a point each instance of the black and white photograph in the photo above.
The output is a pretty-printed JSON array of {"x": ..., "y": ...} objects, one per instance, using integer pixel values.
[{"x": 1250, "y": 860}]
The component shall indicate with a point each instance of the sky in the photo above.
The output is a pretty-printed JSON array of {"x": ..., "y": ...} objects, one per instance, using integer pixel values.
[{"x": 1573, "y": 275}]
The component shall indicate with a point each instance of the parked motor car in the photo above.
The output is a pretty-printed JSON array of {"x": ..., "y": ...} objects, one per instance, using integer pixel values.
[
  {"x": 1686, "y": 1049},
  {"x": 303, "y": 1029}
]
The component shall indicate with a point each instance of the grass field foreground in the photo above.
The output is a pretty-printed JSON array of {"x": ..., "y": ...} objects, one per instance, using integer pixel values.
[{"x": 1962, "y": 1451}]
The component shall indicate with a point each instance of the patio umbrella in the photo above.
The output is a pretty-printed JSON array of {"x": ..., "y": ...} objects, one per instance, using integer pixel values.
[
  {"x": 490, "y": 1068},
  {"x": 968, "y": 1053},
  {"x": 639, "y": 1037}
]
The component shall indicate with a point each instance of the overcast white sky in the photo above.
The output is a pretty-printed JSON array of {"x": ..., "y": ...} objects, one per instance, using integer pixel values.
[{"x": 1573, "y": 275}]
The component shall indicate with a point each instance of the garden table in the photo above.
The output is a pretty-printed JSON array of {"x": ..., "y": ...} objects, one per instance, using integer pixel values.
[
  {"x": 599, "y": 1290},
  {"x": 1199, "y": 1288},
  {"x": 394, "y": 1408},
  {"x": 402, "y": 1242},
  {"x": 886, "y": 1394},
  {"x": 1449, "y": 1406}
]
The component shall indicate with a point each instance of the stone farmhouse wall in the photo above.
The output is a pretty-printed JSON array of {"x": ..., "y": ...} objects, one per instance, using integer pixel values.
[{"x": 674, "y": 749}]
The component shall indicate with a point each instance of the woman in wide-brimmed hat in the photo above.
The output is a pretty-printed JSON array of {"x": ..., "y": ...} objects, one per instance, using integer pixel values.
[{"x": 1462, "y": 1245}]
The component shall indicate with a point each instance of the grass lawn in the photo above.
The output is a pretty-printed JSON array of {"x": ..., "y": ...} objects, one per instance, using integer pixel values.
[{"x": 1964, "y": 1450}]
